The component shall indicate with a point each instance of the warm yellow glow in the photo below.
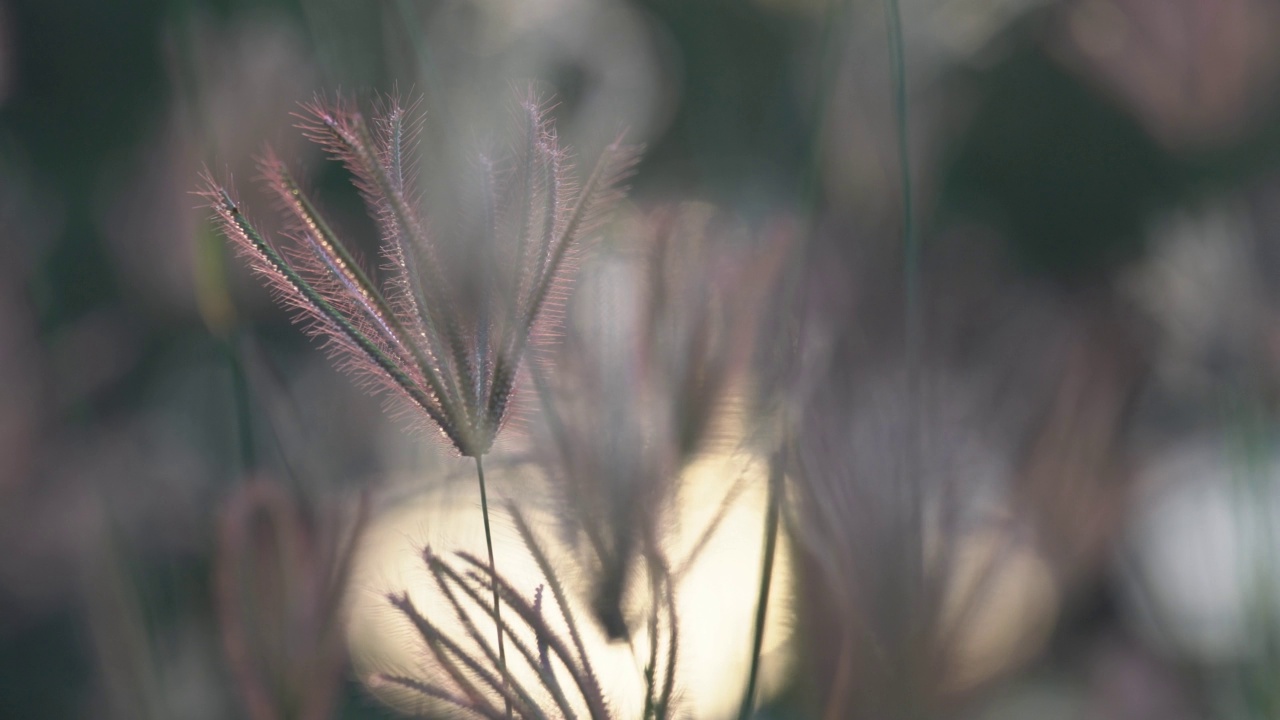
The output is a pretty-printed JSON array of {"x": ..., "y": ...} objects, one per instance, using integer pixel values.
[
  {"x": 716, "y": 592},
  {"x": 1001, "y": 604}
]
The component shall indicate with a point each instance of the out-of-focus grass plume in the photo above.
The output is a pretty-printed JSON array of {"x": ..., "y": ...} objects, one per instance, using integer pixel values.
[
  {"x": 652, "y": 372},
  {"x": 280, "y": 579}
]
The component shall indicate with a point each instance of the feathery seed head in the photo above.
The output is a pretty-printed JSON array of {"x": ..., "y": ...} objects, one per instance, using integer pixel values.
[{"x": 445, "y": 331}]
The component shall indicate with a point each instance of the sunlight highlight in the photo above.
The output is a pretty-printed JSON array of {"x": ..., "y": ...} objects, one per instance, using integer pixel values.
[{"x": 715, "y": 589}]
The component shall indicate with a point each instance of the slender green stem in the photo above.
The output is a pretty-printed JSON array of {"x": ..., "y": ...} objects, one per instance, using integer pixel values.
[
  {"x": 898, "y": 69},
  {"x": 911, "y": 293},
  {"x": 911, "y": 243},
  {"x": 766, "y": 580},
  {"x": 493, "y": 570}
]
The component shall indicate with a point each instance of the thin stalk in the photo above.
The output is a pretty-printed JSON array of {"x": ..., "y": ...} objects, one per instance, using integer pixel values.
[
  {"x": 493, "y": 569},
  {"x": 766, "y": 580},
  {"x": 898, "y": 71},
  {"x": 911, "y": 292}
]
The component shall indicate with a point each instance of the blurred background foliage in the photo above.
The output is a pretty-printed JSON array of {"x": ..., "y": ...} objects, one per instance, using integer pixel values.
[{"x": 1097, "y": 188}]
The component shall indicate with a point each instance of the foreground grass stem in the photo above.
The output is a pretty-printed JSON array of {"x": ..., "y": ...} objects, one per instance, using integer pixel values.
[
  {"x": 766, "y": 580},
  {"x": 493, "y": 569}
]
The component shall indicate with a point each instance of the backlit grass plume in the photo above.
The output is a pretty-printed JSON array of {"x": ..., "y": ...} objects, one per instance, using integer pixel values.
[
  {"x": 446, "y": 336},
  {"x": 443, "y": 326}
]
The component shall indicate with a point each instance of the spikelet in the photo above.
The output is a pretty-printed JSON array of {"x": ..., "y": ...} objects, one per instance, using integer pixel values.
[
  {"x": 447, "y": 336},
  {"x": 550, "y": 673}
]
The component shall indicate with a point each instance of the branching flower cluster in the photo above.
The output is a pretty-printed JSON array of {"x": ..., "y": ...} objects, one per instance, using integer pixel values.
[
  {"x": 417, "y": 333},
  {"x": 554, "y": 676}
]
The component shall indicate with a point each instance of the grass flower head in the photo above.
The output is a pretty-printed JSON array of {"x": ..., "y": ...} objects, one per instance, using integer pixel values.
[{"x": 445, "y": 334}]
